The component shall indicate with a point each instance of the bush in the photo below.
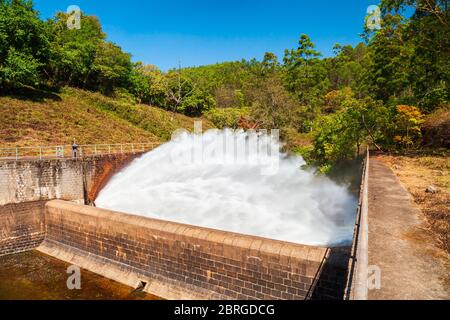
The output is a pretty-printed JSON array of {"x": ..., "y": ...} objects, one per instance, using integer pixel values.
[
  {"x": 407, "y": 123},
  {"x": 24, "y": 45},
  {"x": 226, "y": 118},
  {"x": 436, "y": 128},
  {"x": 19, "y": 69}
]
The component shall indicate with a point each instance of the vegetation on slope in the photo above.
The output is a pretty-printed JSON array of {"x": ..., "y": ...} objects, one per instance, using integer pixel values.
[
  {"x": 380, "y": 92},
  {"x": 157, "y": 121},
  {"x": 89, "y": 117}
]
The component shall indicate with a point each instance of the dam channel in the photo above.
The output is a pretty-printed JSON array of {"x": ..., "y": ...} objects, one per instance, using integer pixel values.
[{"x": 171, "y": 260}]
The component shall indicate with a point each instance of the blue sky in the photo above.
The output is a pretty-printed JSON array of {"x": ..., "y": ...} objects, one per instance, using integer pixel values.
[{"x": 198, "y": 32}]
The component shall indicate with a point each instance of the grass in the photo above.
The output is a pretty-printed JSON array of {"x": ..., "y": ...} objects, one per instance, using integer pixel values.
[
  {"x": 89, "y": 117},
  {"x": 157, "y": 121},
  {"x": 419, "y": 172}
]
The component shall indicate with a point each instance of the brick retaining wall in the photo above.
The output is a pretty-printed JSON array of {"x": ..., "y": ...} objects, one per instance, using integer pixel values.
[
  {"x": 21, "y": 227},
  {"x": 66, "y": 179},
  {"x": 186, "y": 262},
  {"x": 26, "y": 181},
  {"x": 26, "y": 185}
]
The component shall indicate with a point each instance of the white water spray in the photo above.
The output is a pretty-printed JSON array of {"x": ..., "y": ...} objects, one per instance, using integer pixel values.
[{"x": 225, "y": 188}]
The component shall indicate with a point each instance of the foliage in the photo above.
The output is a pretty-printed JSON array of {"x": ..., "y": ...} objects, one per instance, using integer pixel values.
[
  {"x": 148, "y": 84},
  {"x": 305, "y": 75},
  {"x": 407, "y": 123},
  {"x": 182, "y": 95},
  {"x": 226, "y": 118},
  {"x": 73, "y": 51},
  {"x": 111, "y": 68},
  {"x": 24, "y": 45},
  {"x": 342, "y": 134},
  {"x": 334, "y": 99},
  {"x": 390, "y": 66},
  {"x": 273, "y": 107},
  {"x": 410, "y": 55},
  {"x": 19, "y": 69},
  {"x": 335, "y": 105},
  {"x": 196, "y": 103}
]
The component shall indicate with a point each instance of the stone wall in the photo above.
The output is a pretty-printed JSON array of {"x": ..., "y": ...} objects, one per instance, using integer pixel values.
[
  {"x": 26, "y": 181},
  {"x": 65, "y": 179},
  {"x": 21, "y": 226},
  {"x": 177, "y": 261},
  {"x": 27, "y": 184}
]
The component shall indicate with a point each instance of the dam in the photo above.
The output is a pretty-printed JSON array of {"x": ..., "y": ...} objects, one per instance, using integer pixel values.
[{"x": 46, "y": 205}]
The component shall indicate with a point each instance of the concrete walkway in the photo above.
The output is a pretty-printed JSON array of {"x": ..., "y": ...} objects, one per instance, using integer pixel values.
[{"x": 411, "y": 266}]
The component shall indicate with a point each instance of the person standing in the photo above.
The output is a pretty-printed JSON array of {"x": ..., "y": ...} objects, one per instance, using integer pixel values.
[{"x": 74, "y": 149}]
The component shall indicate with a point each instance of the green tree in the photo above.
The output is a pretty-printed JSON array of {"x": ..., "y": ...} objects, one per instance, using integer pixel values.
[
  {"x": 156, "y": 84},
  {"x": 348, "y": 68},
  {"x": 410, "y": 55},
  {"x": 197, "y": 103},
  {"x": 270, "y": 63},
  {"x": 182, "y": 95},
  {"x": 390, "y": 57},
  {"x": 19, "y": 70},
  {"x": 111, "y": 68},
  {"x": 305, "y": 76},
  {"x": 341, "y": 134},
  {"x": 24, "y": 45},
  {"x": 74, "y": 50},
  {"x": 226, "y": 118},
  {"x": 273, "y": 107},
  {"x": 140, "y": 83}
]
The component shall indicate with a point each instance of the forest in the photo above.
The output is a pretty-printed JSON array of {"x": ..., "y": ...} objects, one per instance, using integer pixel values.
[{"x": 391, "y": 91}]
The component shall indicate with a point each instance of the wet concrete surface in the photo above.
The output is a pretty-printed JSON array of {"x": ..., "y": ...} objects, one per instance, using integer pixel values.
[{"x": 36, "y": 276}]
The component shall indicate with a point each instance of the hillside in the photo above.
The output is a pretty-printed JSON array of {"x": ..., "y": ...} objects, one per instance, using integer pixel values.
[{"x": 89, "y": 117}]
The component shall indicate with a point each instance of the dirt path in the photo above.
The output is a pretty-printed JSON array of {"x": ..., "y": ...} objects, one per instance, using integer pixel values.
[
  {"x": 412, "y": 267},
  {"x": 417, "y": 173}
]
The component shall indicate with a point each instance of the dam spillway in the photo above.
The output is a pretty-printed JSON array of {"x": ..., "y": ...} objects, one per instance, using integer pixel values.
[
  {"x": 176, "y": 261},
  {"x": 218, "y": 180}
]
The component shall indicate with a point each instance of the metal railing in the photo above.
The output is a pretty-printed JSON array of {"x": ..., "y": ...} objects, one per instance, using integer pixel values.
[
  {"x": 357, "y": 286},
  {"x": 65, "y": 151}
]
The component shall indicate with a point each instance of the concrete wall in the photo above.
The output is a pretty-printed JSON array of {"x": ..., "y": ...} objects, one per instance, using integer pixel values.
[
  {"x": 26, "y": 185},
  {"x": 186, "y": 262}
]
